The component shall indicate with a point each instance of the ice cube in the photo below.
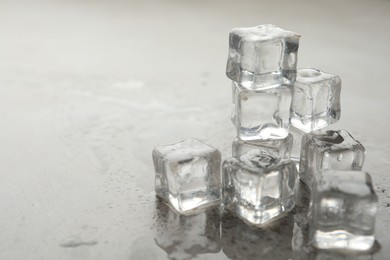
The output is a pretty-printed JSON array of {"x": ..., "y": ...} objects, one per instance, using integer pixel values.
[
  {"x": 277, "y": 147},
  {"x": 261, "y": 114},
  {"x": 342, "y": 211},
  {"x": 262, "y": 56},
  {"x": 316, "y": 100},
  {"x": 188, "y": 175},
  {"x": 329, "y": 150},
  {"x": 258, "y": 187},
  {"x": 184, "y": 237}
]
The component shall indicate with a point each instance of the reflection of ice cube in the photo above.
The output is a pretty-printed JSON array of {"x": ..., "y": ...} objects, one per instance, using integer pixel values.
[
  {"x": 188, "y": 175},
  {"x": 343, "y": 210},
  {"x": 277, "y": 147},
  {"x": 259, "y": 187},
  {"x": 242, "y": 241},
  {"x": 261, "y": 114},
  {"x": 326, "y": 254},
  {"x": 316, "y": 100},
  {"x": 261, "y": 56},
  {"x": 184, "y": 237},
  {"x": 329, "y": 150},
  {"x": 300, "y": 239}
]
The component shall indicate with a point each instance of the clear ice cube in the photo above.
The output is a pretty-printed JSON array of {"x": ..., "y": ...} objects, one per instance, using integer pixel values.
[
  {"x": 329, "y": 150},
  {"x": 261, "y": 114},
  {"x": 187, "y": 175},
  {"x": 342, "y": 211},
  {"x": 316, "y": 100},
  {"x": 277, "y": 147},
  {"x": 262, "y": 56},
  {"x": 184, "y": 237},
  {"x": 258, "y": 187}
]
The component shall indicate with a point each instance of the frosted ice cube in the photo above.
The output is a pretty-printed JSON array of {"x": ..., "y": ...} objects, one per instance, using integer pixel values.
[
  {"x": 342, "y": 211},
  {"x": 187, "y": 175},
  {"x": 277, "y": 147},
  {"x": 258, "y": 187},
  {"x": 262, "y": 56},
  {"x": 316, "y": 100},
  {"x": 261, "y": 114},
  {"x": 329, "y": 150}
]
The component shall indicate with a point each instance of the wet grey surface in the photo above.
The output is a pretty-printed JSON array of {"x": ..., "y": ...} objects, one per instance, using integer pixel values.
[{"x": 88, "y": 89}]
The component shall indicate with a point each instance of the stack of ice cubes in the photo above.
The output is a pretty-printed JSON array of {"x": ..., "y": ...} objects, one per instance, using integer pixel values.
[
  {"x": 278, "y": 112},
  {"x": 259, "y": 182}
]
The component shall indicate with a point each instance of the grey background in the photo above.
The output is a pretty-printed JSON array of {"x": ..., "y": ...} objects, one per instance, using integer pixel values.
[{"x": 89, "y": 88}]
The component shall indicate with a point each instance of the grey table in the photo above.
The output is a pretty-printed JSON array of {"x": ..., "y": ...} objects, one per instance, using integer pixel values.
[{"x": 89, "y": 88}]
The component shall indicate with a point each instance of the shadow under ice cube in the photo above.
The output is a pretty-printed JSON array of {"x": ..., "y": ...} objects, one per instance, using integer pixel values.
[
  {"x": 262, "y": 56},
  {"x": 188, "y": 175},
  {"x": 259, "y": 187},
  {"x": 316, "y": 100},
  {"x": 342, "y": 211},
  {"x": 261, "y": 114},
  {"x": 329, "y": 150}
]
